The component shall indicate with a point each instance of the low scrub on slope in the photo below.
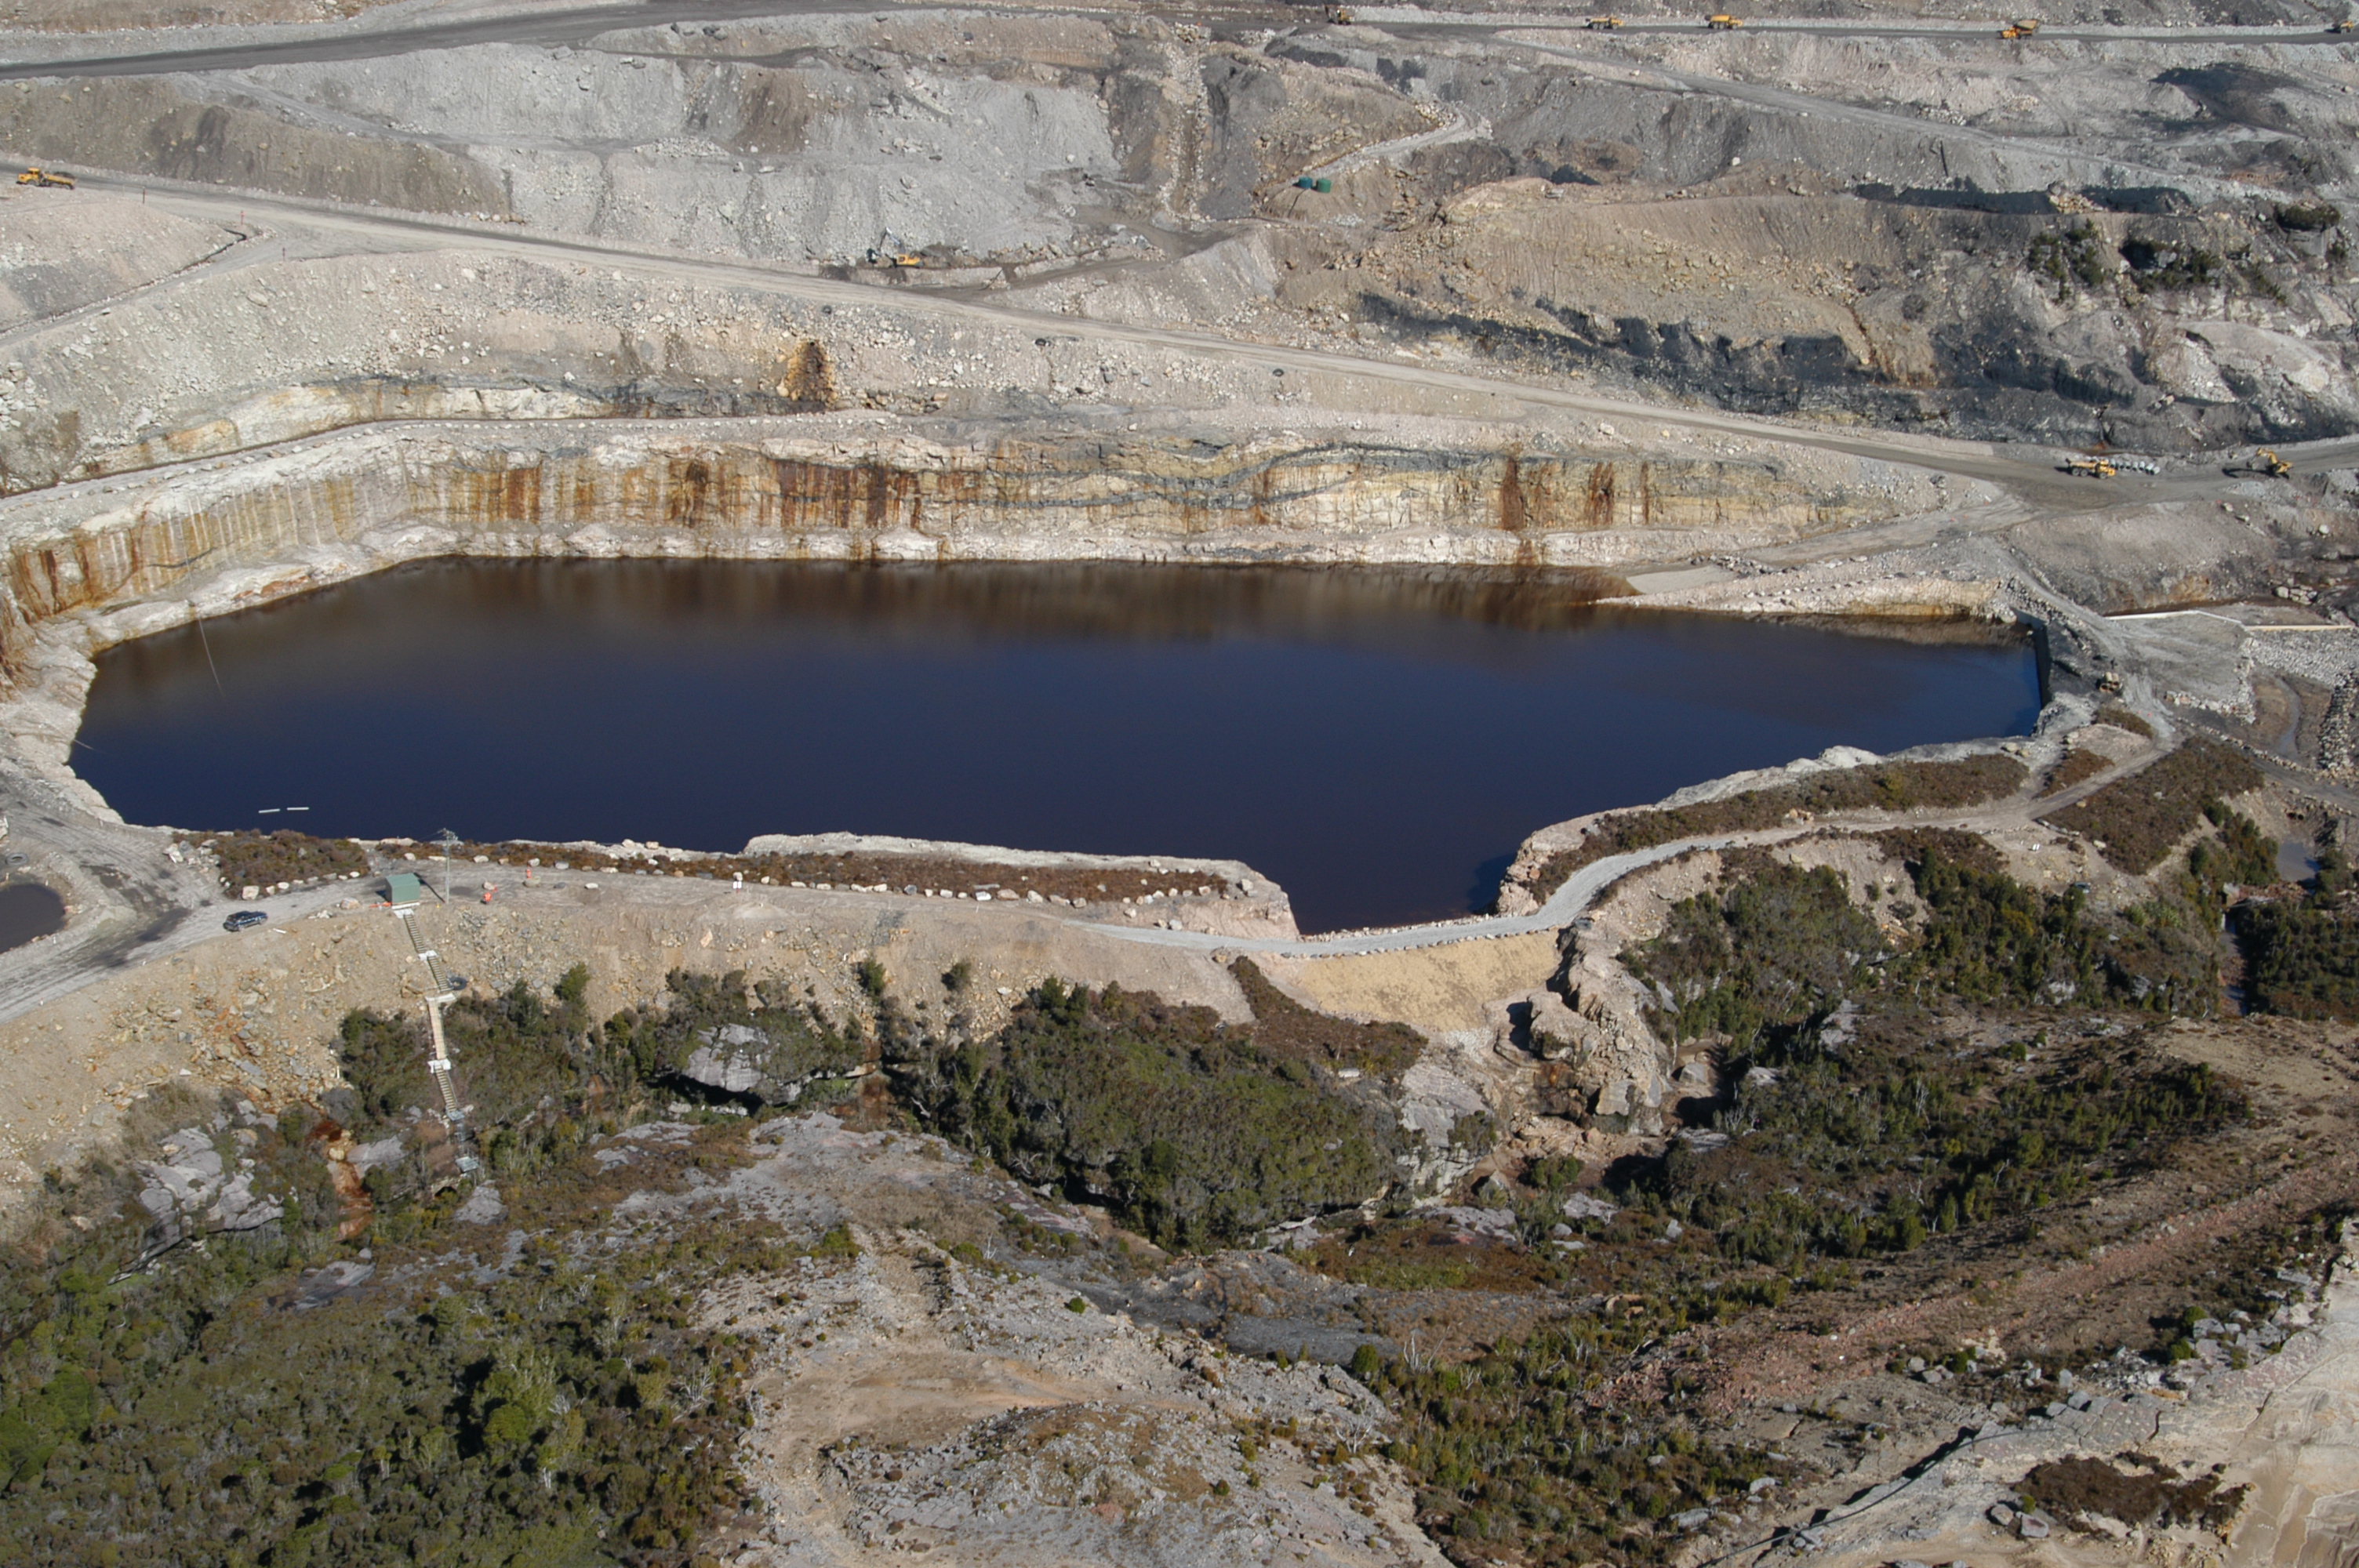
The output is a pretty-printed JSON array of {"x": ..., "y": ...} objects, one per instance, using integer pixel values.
[
  {"x": 265, "y": 859},
  {"x": 232, "y": 1402},
  {"x": 1879, "y": 786},
  {"x": 1191, "y": 1131},
  {"x": 2138, "y": 818},
  {"x": 1865, "y": 1129}
]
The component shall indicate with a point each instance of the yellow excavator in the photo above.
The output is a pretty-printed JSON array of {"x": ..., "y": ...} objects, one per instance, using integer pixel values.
[
  {"x": 2269, "y": 463},
  {"x": 1722, "y": 22},
  {"x": 55, "y": 178},
  {"x": 2020, "y": 29},
  {"x": 1603, "y": 24},
  {"x": 2090, "y": 467}
]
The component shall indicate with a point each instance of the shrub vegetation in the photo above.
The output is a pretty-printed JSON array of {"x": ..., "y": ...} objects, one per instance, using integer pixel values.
[
  {"x": 222, "y": 1405},
  {"x": 1879, "y": 786},
  {"x": 2140, "y": 817},
  {"x": 265, "y": 859},
  {"x": 1191, "y": 1131},
  {"x": 1874, "y": 1134}
]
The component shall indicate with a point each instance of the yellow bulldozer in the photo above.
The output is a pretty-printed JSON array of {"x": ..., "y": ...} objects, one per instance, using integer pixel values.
[
  {"x": 1341, "y": 15},
  {"x": 1603, "y": 24},
  {"x": 55, "y": 178},
  {"x": 1722, "y": 22}
]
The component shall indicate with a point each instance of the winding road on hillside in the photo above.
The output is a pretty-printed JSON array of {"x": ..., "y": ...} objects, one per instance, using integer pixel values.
[
  {"x": 2033, "y": 472},
  {"x": 1570, "y": 902}
]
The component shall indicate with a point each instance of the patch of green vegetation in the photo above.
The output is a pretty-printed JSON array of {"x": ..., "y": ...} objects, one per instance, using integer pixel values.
[
  {"x": 791, "y": 1041},
  {"x": 1876, "y": 1136},
  {"x": 1519, "y": 1455},
  {"x": 265, "y": 859},
  {"x": 1762, "y": 959},
  {"x": 2076, "y": 255},
  {"x": 2164, "y": 266},
  {"x": 1879, "y": 787},
  {"x": 562, "y": 1410},
  {"x": 2302, "y": 956},
  {"x": 1777, "y": 948},
  {"x": 2241, "y": 856},
  {"x": 1989, "y": 938},
  {"x": 1877, "y": 1146},
  {"x": 1190, "y": 1131},
  {"x": 2308, "y": 217},
  {"x": 2139, "y": 817}
]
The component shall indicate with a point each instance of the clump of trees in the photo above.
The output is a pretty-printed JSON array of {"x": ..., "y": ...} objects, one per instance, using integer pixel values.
[
  {"x": 1191, "y": 1131},
  {"x": 1886, "y": 1142},
  {"x": 567, "y": 1409},
  {"x": 1775, "y": 949},
  {"x": 1878, "y": 1134},
  {"x": 219, "y": 1405},
  {"x": 1519, "y": 1454},
  {"x": 2302, "y": 955}
]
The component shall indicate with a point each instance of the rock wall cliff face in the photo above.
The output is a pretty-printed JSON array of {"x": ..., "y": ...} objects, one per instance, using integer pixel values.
[{"x": 197, "y": 542}]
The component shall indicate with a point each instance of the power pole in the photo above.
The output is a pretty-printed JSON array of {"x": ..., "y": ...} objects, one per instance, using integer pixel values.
[{"x": 449, "y": 841}]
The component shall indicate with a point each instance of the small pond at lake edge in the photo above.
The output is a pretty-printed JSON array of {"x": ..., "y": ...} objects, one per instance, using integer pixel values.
[{"x": 29, "y": 911}]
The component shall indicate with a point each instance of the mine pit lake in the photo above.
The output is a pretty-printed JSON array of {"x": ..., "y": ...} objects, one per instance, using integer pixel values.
[{"x": 1379, "y": 741}]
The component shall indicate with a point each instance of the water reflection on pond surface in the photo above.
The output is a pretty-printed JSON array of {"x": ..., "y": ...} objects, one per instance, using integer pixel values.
[{"x": 1379, "y": 742}]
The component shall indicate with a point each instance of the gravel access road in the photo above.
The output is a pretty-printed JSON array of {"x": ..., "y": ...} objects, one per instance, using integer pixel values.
[{"x": 2033, "y": 472}]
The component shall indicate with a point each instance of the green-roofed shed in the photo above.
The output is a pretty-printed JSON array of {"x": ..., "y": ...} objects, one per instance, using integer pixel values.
[{"x": 403, "y": 888}]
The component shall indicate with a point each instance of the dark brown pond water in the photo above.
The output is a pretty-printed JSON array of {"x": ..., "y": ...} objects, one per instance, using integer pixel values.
[
  {"x": 28, "y": 911},
  {"x": 1379, "y": 742}
]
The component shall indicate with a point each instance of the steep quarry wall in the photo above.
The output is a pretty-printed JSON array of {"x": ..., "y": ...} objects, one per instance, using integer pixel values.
[
  {"x": 89, "y": 565},
  {"x": 846, "y": 487}
]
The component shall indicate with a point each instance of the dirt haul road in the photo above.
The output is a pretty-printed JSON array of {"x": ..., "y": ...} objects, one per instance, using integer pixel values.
[{"x": 2033, "y": 473}]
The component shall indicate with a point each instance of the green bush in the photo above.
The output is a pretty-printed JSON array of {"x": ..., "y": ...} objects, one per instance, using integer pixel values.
[
  {"x": 2309, "y": 217},
  {"x": 2303, "y": 959},
  {"x": 2076, "y": 255},
  {"x": 1778, "y": 947},
  {"x": 1188, "y": 1130},
  {"x": 1522, "y": 1454},
  {"x": 1880, "y": 1145}
]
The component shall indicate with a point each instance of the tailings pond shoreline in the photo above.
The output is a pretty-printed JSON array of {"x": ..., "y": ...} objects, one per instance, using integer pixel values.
[{"x": 1379, "y": 741}]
